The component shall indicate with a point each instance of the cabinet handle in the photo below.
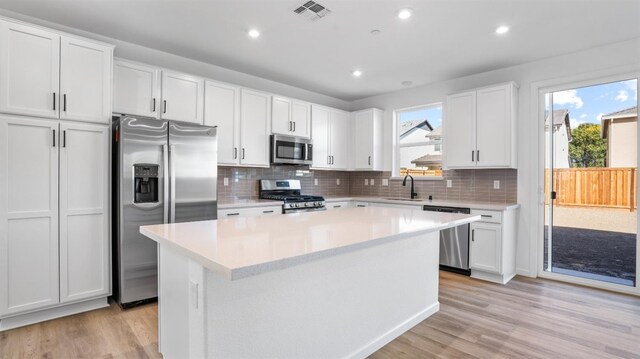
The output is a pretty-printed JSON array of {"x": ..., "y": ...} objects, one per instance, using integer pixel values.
[
  {"x": 473, "y": 156},
  {"x": 164, "y": 104},
  {"x": 271, "y": 211},
  {"x": 294, "y": 126},
  {"x": 486, "y": 216},
  {"x": 64, "y": 102},
  {"x": 473, "y": 235},
  {"x": 290, "y": 126},
  {"x": 54, "y": 101},
  {"x": 361, "y": 205},
  {"x": 369, "y": 160},
  {"x": 54, "y": 138},
  {"x": 233, "y": 214},
  {"x": 328, "y": 160},
  {"x": 154, "y": 105},
  {"x": 235, "y": 153},
  {"x": 243, "y": 153},
  {"x": 478, "y": 156},
  {"x": 337, "y": 206},
  {"x": 64, "y": 138}
]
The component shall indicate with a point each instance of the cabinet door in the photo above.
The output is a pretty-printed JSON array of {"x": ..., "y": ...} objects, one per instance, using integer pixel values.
[
  {"x": 301, "y": 118},
  {"x": 320, "y": 134},
  {"x": 486, "y": 247},
  {"x": 364, "y": 140},
  {"x": 84, "y": 211},
  {"x": 182, "y": 97},
  {"x": 29, "y": 70},
  {"x": 255, "y": 116},
  {"x": 493, "y": 127},
  {"x": 222, "y": 109},
  {"x": 136, "y": 89},
  {"x": 85, "y": 81},
  {"x": 28, "y": 214},
  {"x": 281, "y": 122},
  {"x": 339, "y": 140},
  {"x": 459, "y": 139}
]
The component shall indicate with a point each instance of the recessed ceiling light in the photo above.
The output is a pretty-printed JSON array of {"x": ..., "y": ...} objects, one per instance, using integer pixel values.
[
  {"x": 375, "y": 32},
  {"x": 503, "y": 29},
  {"x": 407, "y": 83},
  {"x": 404, "y": 14},
  {"x": 254, "y": 34},
  {"x": 356, "y": 73}
]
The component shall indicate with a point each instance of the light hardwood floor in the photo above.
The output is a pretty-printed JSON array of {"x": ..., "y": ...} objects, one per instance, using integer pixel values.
[{"x": 531, "y": 318}]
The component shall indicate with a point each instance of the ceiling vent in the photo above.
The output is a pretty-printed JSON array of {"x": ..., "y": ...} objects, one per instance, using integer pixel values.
[{"x": 312, "y": 10}]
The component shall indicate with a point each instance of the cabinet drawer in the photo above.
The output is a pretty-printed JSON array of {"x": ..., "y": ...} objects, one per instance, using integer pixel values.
[
  {"x": 337, "y": 205},
  {"x": 488, "y": 216},
  {"x": 249, "y": 212},
  {"x": 360, "y": 204}
]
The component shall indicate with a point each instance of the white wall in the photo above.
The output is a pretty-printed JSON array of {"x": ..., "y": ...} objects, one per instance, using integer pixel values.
[
  {"x": 623, "y": 57},
  {"x": 150, "y": 56}
]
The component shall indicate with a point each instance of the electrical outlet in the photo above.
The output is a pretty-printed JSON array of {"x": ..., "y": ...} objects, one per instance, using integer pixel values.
[
  {"x": 366, "y": 181},
  {"x": 315, "y": 181},
  {"x": 449, "y": 183},
  {"x": 337, "y": 181},
  {"x": 371, "y": 182},
  {"x": 496, "y": 184},
  {"x": 225, "y": 181},
  {"x": 385, "y": 182}
]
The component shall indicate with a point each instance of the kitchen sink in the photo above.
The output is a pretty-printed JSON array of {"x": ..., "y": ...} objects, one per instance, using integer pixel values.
[{"x": 407, "y": 199}]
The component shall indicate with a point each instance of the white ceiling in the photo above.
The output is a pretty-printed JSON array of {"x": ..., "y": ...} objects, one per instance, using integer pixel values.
[{"x": 443, "y": 39}]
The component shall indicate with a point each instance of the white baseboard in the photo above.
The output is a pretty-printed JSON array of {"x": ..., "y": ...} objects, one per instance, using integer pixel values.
[
  {"x": 395, "y": 332},
  {"x": 52, "y": 313}
]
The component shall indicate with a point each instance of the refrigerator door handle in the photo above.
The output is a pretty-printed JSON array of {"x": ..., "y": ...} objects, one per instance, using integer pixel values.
[
  {"x": 172, "y": 181},
  {"x": 165, "y": 170}
]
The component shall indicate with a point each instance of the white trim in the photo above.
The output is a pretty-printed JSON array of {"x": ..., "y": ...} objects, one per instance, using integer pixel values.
[
  {"x": 536, "y": 190},
  {"x": 52, "y": 313}
]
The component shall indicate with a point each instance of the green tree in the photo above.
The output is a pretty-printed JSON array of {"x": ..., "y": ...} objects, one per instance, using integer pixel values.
[{"x": 587, "y": 148}]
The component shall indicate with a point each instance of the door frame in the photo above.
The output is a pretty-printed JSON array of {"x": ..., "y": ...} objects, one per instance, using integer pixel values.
[{"x": 538, "y": 91}]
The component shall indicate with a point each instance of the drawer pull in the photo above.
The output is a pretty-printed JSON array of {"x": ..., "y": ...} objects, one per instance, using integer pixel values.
[
  {"x": 486, "y": 216},
  {"x": 233, "y": 214},
  {"x": 271, "y": 211},
  {"x": 337, "y": 206},
  {"x": 361, "y": 205}
]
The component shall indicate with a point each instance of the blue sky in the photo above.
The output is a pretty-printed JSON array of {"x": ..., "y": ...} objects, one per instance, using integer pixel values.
[
  {"x": 588, "y": 104},
  {"x": 432, "y": 113}
]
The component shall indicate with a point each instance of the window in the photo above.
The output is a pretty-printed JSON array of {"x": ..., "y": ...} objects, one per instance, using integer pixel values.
[{"x": 419, "y": 141}]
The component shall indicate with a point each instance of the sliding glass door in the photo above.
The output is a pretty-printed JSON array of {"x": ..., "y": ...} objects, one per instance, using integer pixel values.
[{"x": 591, "y": 184}]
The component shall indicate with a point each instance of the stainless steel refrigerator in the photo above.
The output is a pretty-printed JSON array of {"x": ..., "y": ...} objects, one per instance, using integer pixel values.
[{"x": 164, "y": 172}]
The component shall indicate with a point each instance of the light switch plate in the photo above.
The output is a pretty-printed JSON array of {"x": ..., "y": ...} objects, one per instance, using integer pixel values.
[
  {"x": 449, "y": 183},
  {"x": 226, "y": 181},
  {"x": 385, "y": 182},
  {"x": 337, "y": 181},
  {"x": 366, "y": 181},
  {"x": 496, "y": 184},
  {"x": 315, "y": 181},
  {"x": 372, "y": 181}
]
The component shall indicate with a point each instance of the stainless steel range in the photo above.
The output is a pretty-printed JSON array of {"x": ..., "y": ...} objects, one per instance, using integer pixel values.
[{"x": 289, "y": 191}]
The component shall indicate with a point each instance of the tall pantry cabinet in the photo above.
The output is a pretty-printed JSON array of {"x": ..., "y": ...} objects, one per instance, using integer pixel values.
[{"x": 55, "y": 110}]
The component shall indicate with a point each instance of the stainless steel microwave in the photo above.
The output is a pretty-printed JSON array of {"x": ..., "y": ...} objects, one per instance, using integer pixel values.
[{"x": 290, "y": 150}]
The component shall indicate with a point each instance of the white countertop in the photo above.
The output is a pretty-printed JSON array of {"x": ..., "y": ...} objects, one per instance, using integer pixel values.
[
  {"x": 448, "y": 203},
  {"x": 242, "y": 247}
]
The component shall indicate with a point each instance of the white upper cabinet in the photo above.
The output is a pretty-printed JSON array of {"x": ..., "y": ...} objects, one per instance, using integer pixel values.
[
  {"x": 136, "y": 89},
  {"x": 28, "y": 214},
  {"x": 290, "y": 117},
  {"x": 222, "y": 109},
  {"x": 255, "y": 124},
  {"x": 45, "y": 74},
  {"x": 84, "y": 211},
  {"x": 368, "y": 139},
  {"x": 85, "y": 81},
  {"x": 479, "y": 128},
  {"x": 330, "y": 134},
  {"x": 182, "y": 97},
  {"x": 29, "y": 70}
]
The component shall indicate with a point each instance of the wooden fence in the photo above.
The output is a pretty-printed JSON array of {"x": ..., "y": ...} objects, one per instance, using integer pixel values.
[
  {"x": 419, "y": 172},
  {"x": 594, "y": 187}
]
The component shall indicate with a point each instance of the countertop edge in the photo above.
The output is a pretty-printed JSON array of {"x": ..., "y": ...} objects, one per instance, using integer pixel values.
[{"x": 471, "y": 205}]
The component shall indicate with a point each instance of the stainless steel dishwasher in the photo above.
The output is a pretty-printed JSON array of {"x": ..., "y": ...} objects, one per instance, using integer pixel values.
[{"x": 454, "y": 243}]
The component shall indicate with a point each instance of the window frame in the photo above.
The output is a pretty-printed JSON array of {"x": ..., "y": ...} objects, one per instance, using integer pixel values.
[{"x": 395, "y": 173}]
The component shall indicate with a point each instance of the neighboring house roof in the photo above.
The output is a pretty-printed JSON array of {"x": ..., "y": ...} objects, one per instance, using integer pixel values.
[
  {"x": 407, "y": 127},
  {"x": 627, "y": 113},
  {"x": 428, "y": 160},
  {"x": 436, "y": 134},
  {"x": 560, "y": 117}
]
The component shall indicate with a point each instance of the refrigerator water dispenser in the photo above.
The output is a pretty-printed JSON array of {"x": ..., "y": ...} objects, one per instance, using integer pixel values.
[{"x": 145, "y": 183}]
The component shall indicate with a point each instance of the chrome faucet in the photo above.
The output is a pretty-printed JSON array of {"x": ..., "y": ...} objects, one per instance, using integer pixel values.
[{"x": 404, "y": 183}]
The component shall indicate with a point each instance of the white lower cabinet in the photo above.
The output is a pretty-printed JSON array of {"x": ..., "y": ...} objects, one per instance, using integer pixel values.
[
  {"x": 248, "y": 212},
  {"x": 493, "y": 246},
  {"x": 337, "y": 205},
  {"x": 395, "y": 205},
  {"x": 54, "y": 215}
]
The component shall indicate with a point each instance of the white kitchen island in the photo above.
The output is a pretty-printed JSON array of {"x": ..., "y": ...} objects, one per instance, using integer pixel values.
[{"x": 334, "y": 284}]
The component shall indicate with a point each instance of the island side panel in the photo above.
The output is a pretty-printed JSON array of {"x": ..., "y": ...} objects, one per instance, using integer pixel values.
[{"x": 346, "y": 306}]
